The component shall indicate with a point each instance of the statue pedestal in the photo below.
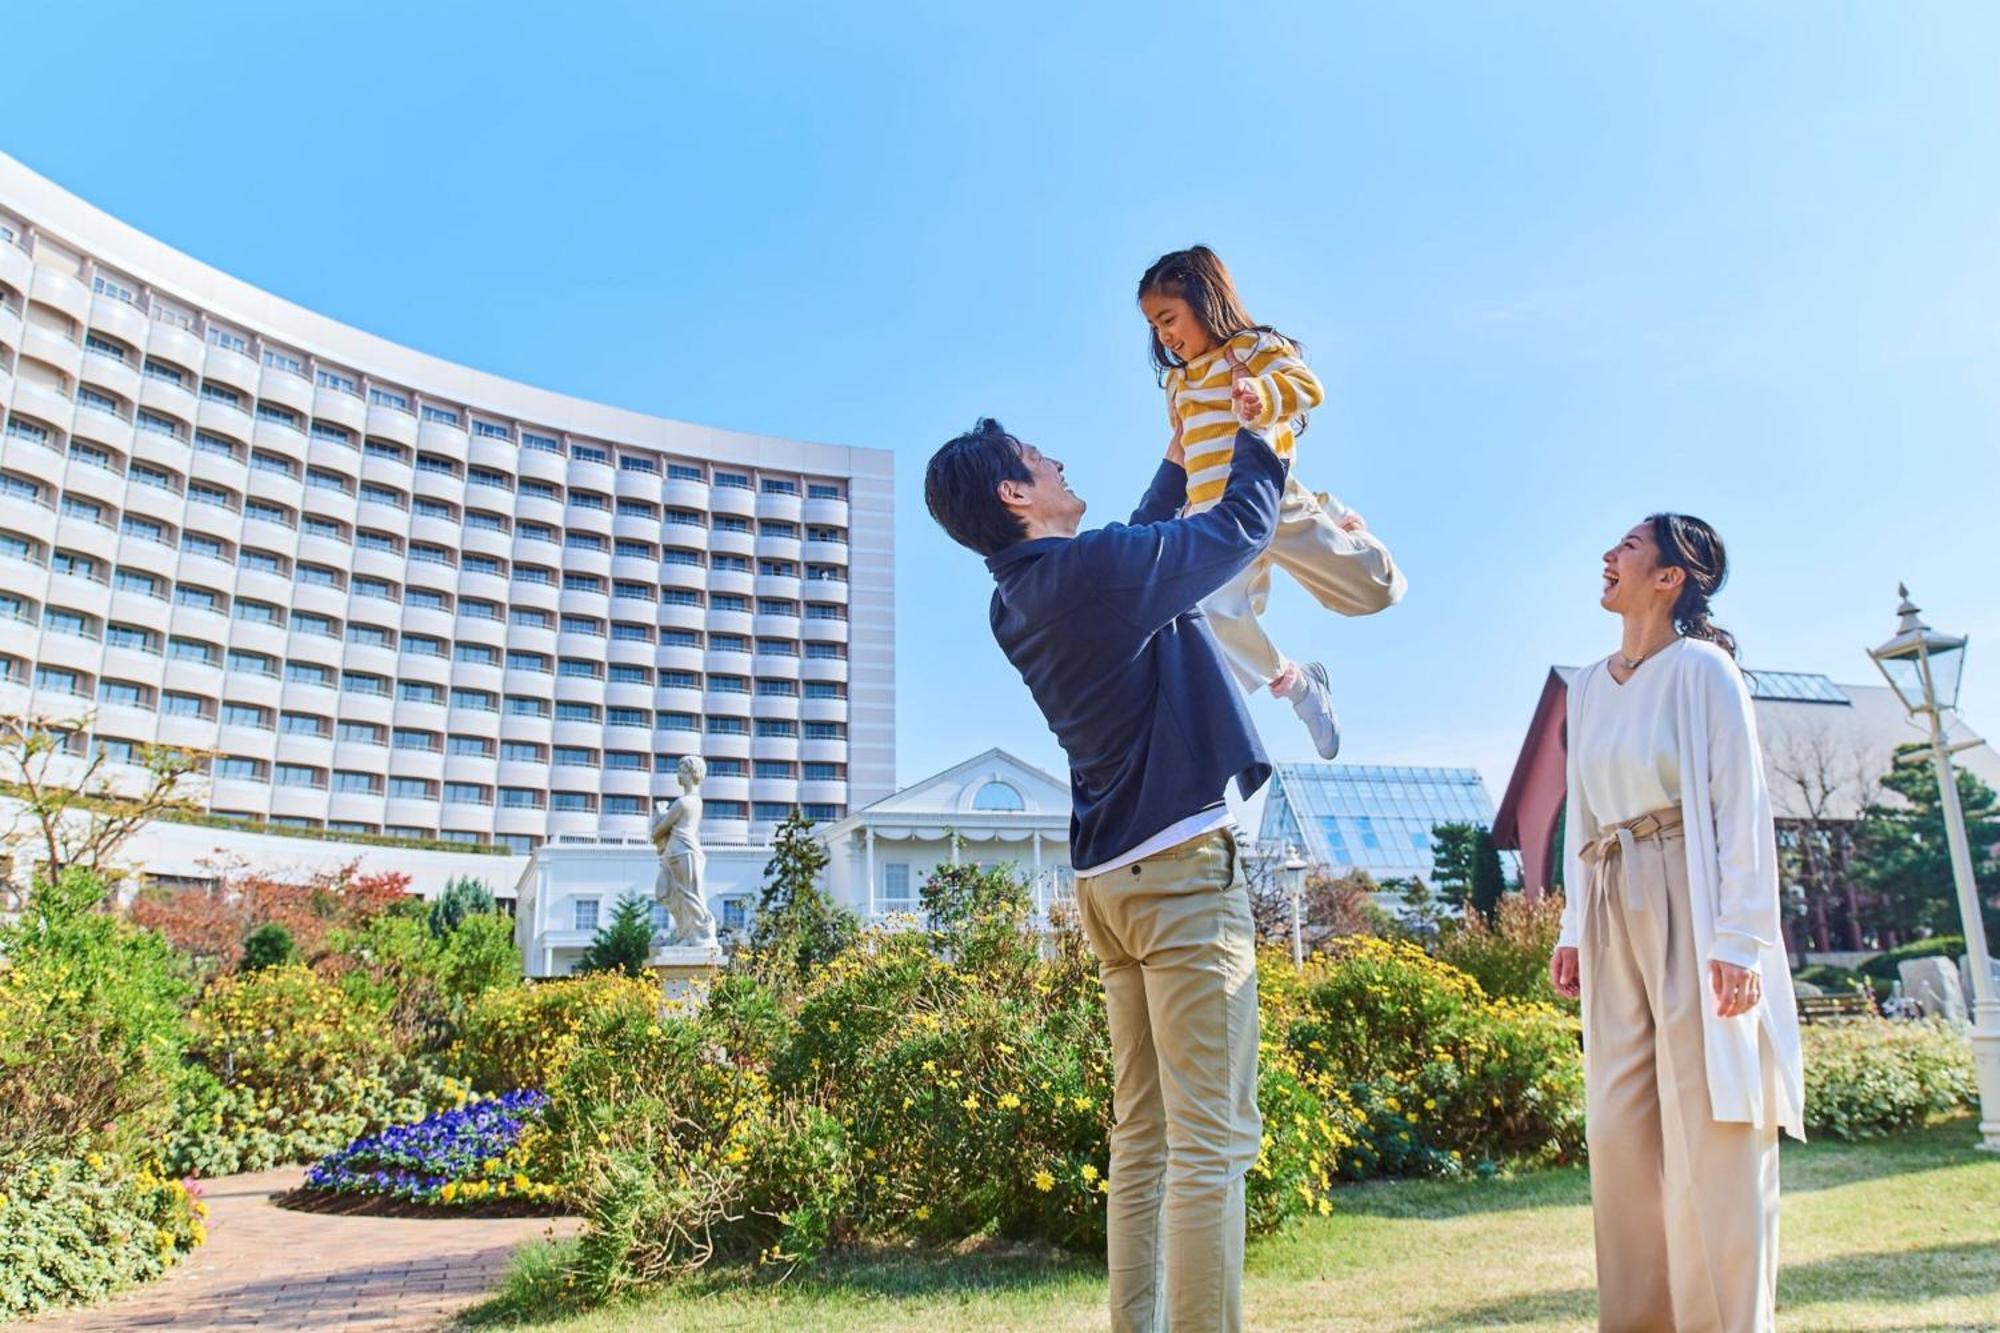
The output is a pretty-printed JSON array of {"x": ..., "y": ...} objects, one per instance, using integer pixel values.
[{"x": 683, "y": 970}]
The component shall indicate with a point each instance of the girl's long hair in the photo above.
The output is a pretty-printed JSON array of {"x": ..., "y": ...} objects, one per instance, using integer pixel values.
[
  {"x": 1693, "y": 547},
  {"x": 1198, "y": 277}
]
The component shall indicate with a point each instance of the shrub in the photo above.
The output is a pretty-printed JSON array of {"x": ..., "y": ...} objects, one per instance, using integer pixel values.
[
  {"x": 474, "y": 1154},
  {"x": 1868, "y": 1077},
  {"x": 624, "y": 943},
  {"x": 1841, "y": 980},
  {"x": 73, "y": 1230},
  {"x": 1438, "y": 1073},
  {"x": 525, "y": 1036},
  {"x": 210, "y": 924},
  {"x": 422, "y": 983},
  {"x": 1887, "y": 966},
  {"x": 464, "y": 897},
  {"x": 284, "y": 1066},
  {"x": 90, "y": 1027},
  {"x": 269, "y": 945},
  {"x": 1509, "y": 957}
]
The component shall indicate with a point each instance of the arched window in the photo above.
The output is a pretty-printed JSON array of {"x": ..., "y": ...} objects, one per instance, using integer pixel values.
[{"x": 997, "y": 795}]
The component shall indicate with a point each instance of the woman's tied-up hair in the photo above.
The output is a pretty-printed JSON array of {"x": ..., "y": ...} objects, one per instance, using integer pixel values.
[{"x": 1688, "y": 544}]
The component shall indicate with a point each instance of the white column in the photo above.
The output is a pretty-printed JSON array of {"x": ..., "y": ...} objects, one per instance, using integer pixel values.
[
  {"x": 1038, "y": 851},
  {"x": 868, "y": 867},
  {"x": 954, "y": 846}
]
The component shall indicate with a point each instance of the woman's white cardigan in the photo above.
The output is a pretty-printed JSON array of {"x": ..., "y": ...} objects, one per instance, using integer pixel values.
[{"x": 1732, "y": 856}]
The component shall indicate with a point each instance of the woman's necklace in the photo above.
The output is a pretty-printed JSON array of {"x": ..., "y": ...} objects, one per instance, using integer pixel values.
[{"x": 1634, "y": 663}]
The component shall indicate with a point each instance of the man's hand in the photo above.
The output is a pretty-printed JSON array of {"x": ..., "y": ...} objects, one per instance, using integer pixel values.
[
  {"x": 1737, "y": 990},
  {"x": 1563, "y": 973},
  {"x": 1249, "y": 404},
  {"x": 1351, "y": 522},
  {"x": 1176, "y": 452}
]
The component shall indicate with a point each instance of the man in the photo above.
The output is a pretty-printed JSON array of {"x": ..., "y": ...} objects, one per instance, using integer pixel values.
[{"x": 1106, "y": 630}]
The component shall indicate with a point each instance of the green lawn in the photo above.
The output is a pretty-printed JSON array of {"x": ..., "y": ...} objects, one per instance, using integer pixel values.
[{"x": 1902, "y": 1233}]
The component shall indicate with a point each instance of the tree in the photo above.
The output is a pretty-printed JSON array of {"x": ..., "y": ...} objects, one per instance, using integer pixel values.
[
  {"x": 76, "y": 814},
  {"x": 623, "y": 943},
  {"x": 955, "y": 897},
  {"x": 798, "y": 927},
  {"x": 1454, "y": 860},
  {"x": 269, "y": 945},
  {"x": 463, "y": 897},
  {"x": 1825, "y": 780},
  {"x": 1489, "y": 877},
  {"x": 1906, "y": 861}
]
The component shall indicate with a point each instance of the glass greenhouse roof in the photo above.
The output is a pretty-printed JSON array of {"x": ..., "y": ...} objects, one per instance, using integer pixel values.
[
  {"x": 1795, "y": 687},
  {"x": 1344, "y": 816}
]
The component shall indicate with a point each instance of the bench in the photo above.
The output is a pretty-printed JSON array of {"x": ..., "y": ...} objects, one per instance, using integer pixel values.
[{"x": 1836, "y": 1008}]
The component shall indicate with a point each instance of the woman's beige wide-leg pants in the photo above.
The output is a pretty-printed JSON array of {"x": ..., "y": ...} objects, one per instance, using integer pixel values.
[{"x": 1685, "y": 1205}]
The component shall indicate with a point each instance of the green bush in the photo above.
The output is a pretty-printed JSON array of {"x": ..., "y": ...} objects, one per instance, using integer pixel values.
[
  {"x": 73, "y": 1230},
  {"x": 422, "y": 983},
  {"x": 270, "y": 945},
  {"x": 1868, "y": 1077},
  {"x": 525, "y": 1036},
  {"x": 1841, "y": 980},
  {"x": 1509, "y": 957},
  {"x": 1441, "y": 1076},
  {"x": 90, "y": 1027},
  {"x": 1886, "y": 966},
  {"x": 462, "y": 898},
  {"x": 285, "y": 1066}
]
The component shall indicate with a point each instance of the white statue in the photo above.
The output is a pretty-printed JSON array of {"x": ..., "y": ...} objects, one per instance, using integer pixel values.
[{"x": 683, "y": 864}]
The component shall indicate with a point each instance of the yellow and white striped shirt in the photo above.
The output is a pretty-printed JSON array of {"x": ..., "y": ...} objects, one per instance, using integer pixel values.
[{"x": 1199, "y": 408}]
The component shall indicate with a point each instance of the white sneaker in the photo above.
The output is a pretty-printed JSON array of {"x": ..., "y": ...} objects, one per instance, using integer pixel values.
[{"x": 1315, "y": 709}]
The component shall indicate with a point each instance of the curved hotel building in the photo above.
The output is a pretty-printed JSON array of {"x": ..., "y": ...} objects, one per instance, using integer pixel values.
[{"x": 396, "y": 596}]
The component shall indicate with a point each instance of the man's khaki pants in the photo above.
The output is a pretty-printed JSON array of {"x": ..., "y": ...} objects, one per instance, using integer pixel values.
[
  {"x": 1174, "y": 944},
  {"x": 1685, "y": 1206},
  {"x": 1349, "y": 572}
]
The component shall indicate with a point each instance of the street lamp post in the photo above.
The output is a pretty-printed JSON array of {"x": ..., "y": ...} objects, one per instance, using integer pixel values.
[
  {"x": 1294, "y": 869},
  {"x": 1925, "y": 667}
]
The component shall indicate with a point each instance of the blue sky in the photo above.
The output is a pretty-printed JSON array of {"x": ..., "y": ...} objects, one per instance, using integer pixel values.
[{"x": 1558, "y": 265}]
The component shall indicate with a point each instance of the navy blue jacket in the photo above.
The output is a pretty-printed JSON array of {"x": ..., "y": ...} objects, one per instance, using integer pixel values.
[{"x": 1106, "y": 630}]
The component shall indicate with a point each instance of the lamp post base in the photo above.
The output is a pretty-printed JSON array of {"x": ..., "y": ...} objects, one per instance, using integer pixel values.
[{"x": 1986, "y": 1061}]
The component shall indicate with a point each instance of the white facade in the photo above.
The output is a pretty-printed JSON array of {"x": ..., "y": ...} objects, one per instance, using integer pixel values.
[
  {"x": 991, "y": 810},
  {"x": 399, "y": 596}
]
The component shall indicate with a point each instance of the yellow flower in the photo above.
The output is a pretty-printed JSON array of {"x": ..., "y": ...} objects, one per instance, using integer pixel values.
[
  {"x": 1009, "y": 1102},
  {"x": 1089, "y": 1173},
  {"x": 971, "y": 1102},
  {"x": 923, "y": 1212},
  {"x": 449, "y": 1192},
  {"x": 1325, "y": 1208},
  {"x": 1044, "y": 1181}
]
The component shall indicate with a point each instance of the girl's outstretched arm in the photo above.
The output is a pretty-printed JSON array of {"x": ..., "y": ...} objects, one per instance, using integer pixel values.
[{"x": 1285, "y": 385}]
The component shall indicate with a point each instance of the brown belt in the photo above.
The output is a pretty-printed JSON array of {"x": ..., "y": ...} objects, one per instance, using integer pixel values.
[{"x": 1623, "y": 839}]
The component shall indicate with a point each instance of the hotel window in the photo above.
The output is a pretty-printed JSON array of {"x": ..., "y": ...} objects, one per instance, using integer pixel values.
[
  {"x": 575, "y": 756},
  {"x": 442, "y": 415},
  {"x": 775, "y": 487},
  {"x": 148, "y": 475},
  {"x": 776, "y": 727},
  {"x": 329, "y": 379},
  {"x": 628, "y": 633},
  {"x": 102, "y": 402},
  {"x": 267, "y": 512},
  {"x": 676, "y": 555},
  {"x": 777, "y": 648},
  {"x": 784, "y": 689},
  {"x": 250, "y": 715},
  {"x": 17, "y": 608},
  {"x": 22, "y": 428},
  {"x": 332, "y": 434},
  {"x": 627, "y": 761},
  {"x": 679, "y": 722},
  {"x": 583, "y": 541},
  {"x": 683, "y": 472},
  {"x": 419, "y": 692},
  {"x": 307, "y": 673},
  {"x": 539, "y": 532},
  {"x": 426, "y": 508},
  {"x": 222, "y": 393},
  {"x": 680, "y": 680},
  {"x": 370, "y": 539},
  {"x": 284, "y": 416},
  {"x": 686, "y": 518},
  {"x": 520, "y": 661},
  {"x": 200, "y": 492},
  {"x": 622, "y": 674},
  {"x": 680, "y": 638},
  {"x": 629, "y": 463},
  {"x": 263, "y": 664},
  {"x": 486, "y": 476},
  {"x": 729, "y": 601},
  {"x": 114, "y": 289},
  {"x": 779, "y": 528},
  {"x": 522, "y": 752},
  {"x": 478, "y": 654},
  {"x": 382, "y": 495},
  {"x": 193, "y": 650},
  {"x": 628, "y": 717},
  {"x": 78, "y": 566},
  {"x": 573, "y": 801},
  {"x": 491, "y": 431},
  {"x": 160, "y": 370},
  {"x": 242, "y": 770},
  {"x": 88, "y": 510},
  {"x": 728, "y": 726},
  {"x": 735, "y": 913},
  {"x": 131, "y": 580},
  {"x": 117, "y": 751},
  {"x": 575, "y": 668},
  {"x": 466, "y": 793},
  {"x": 264, "y": 613},
  {"x": 822, "y": 772},
  {"x": 826, "y": 731},
  {"x": 529, "y": 616},
  {"x": 408, "y": 738},
  {"x": 826, "y": 651},
  {"x": 423, "y": 645},
  {"x": 368, "y": 586},
  {"x": 326, "y": 480},
  {"x": 625, "y": 805},
  {"x": 103, "y": 347},
  {"x": 175, "y": 704},
  {"x": 583, "y": 913},
  {"x": 774, "y": 768},
  {"x": 133, "y": 637},
  {"x": 583, "y": 625},
  {"x": 823, "y": 814},
  {"x": 589, "y": 453},
  {"x": 520, "y": 798},
  {"x": 731, "y": 523},
  {"x": 473, "y": 564},
  {"x": 412, "y": 789},
  {"x": 583, "y": 583},
  {"x": 372, "y": 636},
  {"x": 638, "y": 592},
  {"x": 548, "y": 444},
  {"x": 319, "y": 575},
  {"x": 389, "y": 398},
  {"x": 299, "y": 775},
  {"x": 735, "y": 480},
  {"x": 480, "y": 701},
  {"x": 429, "y": 599},
  {"x": 540, "y": 490},
  {"x": 476, "y": 746},
  {"x": 285, "y": 361},
  {"x": 474, "y": 608},
  {"x": 819, "y": 491},
  {"x": 228, "y": 341},
  {"x": 347, "y": 779},
  {"x": 263, "y": 460},
  {"x": 124, "y": 693}
]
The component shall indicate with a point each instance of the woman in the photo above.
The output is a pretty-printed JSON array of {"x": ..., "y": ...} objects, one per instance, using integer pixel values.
[{"x": 1670, "y": 934}]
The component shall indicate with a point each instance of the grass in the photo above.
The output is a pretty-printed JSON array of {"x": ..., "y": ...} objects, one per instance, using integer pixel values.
[{"x": 1897, "y": 1233}]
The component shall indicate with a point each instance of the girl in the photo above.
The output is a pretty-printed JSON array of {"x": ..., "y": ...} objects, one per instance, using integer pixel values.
[
  {"x": 1203, "y": 344},
  {"x": 1670, "y": 933}
]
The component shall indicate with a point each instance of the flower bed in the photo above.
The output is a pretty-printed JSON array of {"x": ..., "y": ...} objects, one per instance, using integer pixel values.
[
  {"x": 73, "y": 1230},
  {"x": 476, "y": 1156}
]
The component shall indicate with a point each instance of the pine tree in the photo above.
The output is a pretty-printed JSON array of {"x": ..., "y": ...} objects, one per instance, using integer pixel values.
[
  {"x": 624, "y": 943},
  {"x": 1455, "y": 861},
  {"x": 1489, "y": 877},
  {"x": 798, "y": 927},
  {"x": 463, "y": 897}
]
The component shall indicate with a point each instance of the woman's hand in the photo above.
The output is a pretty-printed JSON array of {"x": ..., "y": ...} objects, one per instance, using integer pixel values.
[
  {"x": 1563, "y": 973},
  {"x": 1737, "y": 989}
]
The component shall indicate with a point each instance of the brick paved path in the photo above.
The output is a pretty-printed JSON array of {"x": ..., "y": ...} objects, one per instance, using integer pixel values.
[{"x": 266, "y": 1267}]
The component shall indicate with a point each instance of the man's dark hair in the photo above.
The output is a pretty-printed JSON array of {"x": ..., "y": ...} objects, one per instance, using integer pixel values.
[{"x": 962, "y": 487}]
